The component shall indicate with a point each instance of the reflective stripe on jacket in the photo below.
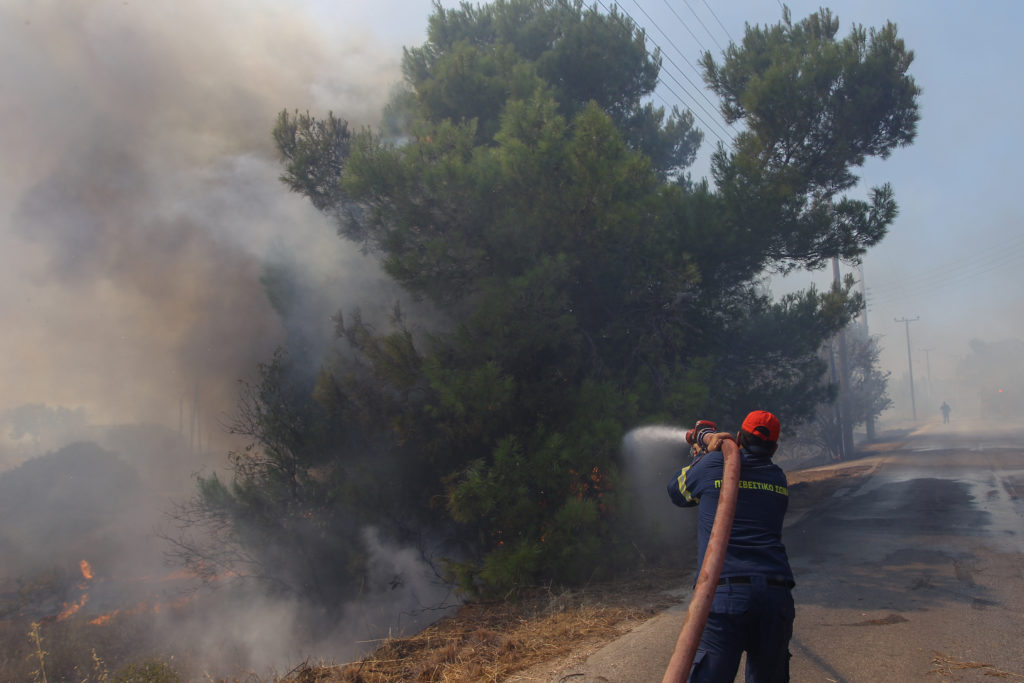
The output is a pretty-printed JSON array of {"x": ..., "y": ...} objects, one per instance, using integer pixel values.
[{"x": 755, "y": 544}]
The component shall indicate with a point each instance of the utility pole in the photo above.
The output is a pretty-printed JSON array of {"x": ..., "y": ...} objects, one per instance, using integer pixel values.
[
  {"x": 928, "y": 367},
  {"x": 869, "y": 423},
  {"x": 864, "y": 295},
  {"x": 843, "y": 401},
  {"x": 834, "y": 375},
  {"x": 199, "y": 422},
  {"x": 195, "y": 435},
  {"x": 910, "y": 363}
]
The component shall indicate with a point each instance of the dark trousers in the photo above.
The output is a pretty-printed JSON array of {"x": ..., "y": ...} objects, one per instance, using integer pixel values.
[{"x": 756, "y": 618}]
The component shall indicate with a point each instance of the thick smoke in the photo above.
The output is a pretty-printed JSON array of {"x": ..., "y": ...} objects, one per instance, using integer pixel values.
[
  {"x": 140, "y": 196},
  {"x": 140, "y": 216},
  {"x": 266, "y": 635}
]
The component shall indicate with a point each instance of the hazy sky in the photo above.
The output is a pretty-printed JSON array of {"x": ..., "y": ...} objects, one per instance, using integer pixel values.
[
  {"x": 954, "y": 256},
  {"x": 138, "y": 192}
]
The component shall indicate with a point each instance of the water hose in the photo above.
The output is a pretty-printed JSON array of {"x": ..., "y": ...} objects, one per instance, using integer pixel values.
[{"x": 711, "y": 568}]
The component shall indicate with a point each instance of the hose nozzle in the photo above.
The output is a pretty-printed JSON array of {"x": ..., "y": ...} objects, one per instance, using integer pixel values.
[{"x": 701, "y": 431}]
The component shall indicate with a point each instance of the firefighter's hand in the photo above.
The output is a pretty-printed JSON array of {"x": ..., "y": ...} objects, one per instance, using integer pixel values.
[{"x": 714, "y": 441}]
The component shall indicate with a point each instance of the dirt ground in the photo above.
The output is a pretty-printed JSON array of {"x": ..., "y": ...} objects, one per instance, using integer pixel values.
[{"x": 546, "y": 629}]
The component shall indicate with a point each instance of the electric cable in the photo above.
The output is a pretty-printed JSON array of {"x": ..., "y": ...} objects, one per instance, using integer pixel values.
[
  {"x": 980, "y": 263},
  {"x": 699, "y": 88},
  {"x": 701, "y": 22},
  {"x": 685, "y": 103},
  {"x": 727, "y": 34},
  {"x": 949, "y": 275},
  {"x": 686, "y": 26}
]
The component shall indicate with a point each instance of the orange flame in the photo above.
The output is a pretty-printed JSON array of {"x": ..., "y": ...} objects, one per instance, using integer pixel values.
[
  {"x": 104, "y": 619},
  {"x": 141, "y": 608},
  {"x": 69, "y": 610},
  {"x": 86, "y": 569},
  {"x": 73, "y": 607}
]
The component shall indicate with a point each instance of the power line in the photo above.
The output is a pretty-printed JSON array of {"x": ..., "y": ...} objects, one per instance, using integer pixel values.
[
  {"x": 662, "y": 82},
  {"x": 685, "y": 25},
  {"x": 669, "y": 72},
  {"x": 949, "y": 274},
  {"x": 696, "y": 69},
  {"x": 672, "y": 62},
  {"x": 727, "y": 34},
  {"x": 690, "y": 109},
  {"x": 693, "y": 66},
  {"x": 699, "y": 21},
  {"x": 974, "y": 259}
]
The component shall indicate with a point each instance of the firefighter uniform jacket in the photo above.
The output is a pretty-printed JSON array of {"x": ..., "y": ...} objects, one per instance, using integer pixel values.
[{"x": 755, "y": 544}]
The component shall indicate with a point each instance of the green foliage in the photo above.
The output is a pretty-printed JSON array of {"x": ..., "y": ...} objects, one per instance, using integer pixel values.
[
  {"x": 770, "y": 352},
  {"x": 816, "y": 108},
  {"x": 478, "y": 57},
  {"x": 524, "y": 193},
  {"x": 315, "y": 151},
  {"x": 511, "y": 567},
  {"x": 547, "y": 506}
]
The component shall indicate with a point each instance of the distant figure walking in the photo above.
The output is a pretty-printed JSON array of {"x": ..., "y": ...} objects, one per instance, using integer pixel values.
[{"x": 945, "y": 412}]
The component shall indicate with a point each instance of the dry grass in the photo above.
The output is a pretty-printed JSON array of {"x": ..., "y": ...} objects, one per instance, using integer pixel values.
[
  {"x": 946, "y": 665},
  {"x": 490, "y": 641}
]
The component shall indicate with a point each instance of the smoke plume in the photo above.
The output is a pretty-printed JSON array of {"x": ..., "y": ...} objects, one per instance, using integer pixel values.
[
  {"x": 140, "y": 215},
  {"x": 140, "y": 198}
]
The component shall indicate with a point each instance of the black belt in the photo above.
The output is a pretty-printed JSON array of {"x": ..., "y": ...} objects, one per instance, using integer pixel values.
[{"x": 785, "y": 583}]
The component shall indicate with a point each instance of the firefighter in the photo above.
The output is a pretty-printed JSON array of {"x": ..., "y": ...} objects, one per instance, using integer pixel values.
[{"x": 752, "y": 609}]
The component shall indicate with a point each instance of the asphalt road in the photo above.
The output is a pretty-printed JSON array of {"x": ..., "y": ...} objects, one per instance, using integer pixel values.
[{"x": 914, "y": 571}]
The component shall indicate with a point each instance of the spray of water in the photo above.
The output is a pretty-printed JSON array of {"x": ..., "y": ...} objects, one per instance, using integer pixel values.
[{"x": 652, "y": 456}]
